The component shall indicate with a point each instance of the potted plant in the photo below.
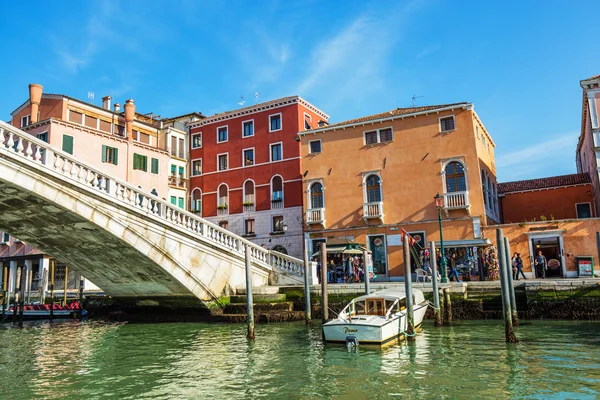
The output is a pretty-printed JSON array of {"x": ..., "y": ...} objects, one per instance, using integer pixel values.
[
  {"x": 248, "y": 203},
  {"x": 222, "y": 207}
]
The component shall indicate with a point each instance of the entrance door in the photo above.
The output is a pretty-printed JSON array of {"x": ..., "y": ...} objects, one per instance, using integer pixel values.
[
  {"x": 377, "y": 246},
  {"x": 551, "y": 249}
]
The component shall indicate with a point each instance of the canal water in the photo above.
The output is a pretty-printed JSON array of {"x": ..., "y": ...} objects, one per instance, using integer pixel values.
[{"x": 97, "y": 360}]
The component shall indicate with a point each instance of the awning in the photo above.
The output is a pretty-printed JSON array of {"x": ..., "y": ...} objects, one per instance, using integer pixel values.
[
  {"x": 465, "y": 243},
  {"x": 338, "y": 250}
]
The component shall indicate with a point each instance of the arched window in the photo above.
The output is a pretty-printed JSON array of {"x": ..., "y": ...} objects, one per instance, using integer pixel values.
[
  {"x": 277, "y": 189},
  {"x": 373, "y": 189},
  {"x": 279, "y": 248},
  {"x": 196, "y": 205},
  {"x": 223, "y": 195},
  {"x": 316, "y": 195},
  {"x": 489, "y": 192},
  {"x": 248, "y": 192},
  {"x": 455, "y": 177}
]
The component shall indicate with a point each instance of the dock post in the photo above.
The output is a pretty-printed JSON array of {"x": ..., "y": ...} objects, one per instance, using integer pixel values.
[
  {"x": 506, "y": 309},
  {"x": 447, "y": 307},
  {"x": 511, "y": 286},
  {"x": 249, "y": 300},
  {"x": 324, "y": 299},
  {"x": 410, "y": 313},
  {"x": 4, "y": 289},
  {"x": 17, "y": 292},
  {"x": 65, "y": 285},
  {"x": 29, "y": 283},
  {"x": 366, "y": 272},
  {"x": 81, "y": 286},
  {"x": 23, "y": 285},
  {"x": 307, "y": 310},
  {"x": 52, "y": 267},
  {"x": 434, "y": 283}
]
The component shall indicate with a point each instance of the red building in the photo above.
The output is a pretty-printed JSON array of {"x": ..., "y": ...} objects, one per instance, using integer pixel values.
[{"x": 246, "y": 170}]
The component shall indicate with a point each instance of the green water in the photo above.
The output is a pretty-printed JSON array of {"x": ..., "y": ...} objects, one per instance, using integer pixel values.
[{"x": 95, "y": 360}]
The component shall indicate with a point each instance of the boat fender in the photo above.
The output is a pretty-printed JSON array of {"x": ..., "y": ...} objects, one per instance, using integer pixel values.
[{"x": 351, "y": 342}]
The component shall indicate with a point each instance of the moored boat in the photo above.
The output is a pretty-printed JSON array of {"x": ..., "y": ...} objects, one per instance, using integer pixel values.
[
  {"x": 42, "y": 311},
  {"x": 376, "y": 318}
]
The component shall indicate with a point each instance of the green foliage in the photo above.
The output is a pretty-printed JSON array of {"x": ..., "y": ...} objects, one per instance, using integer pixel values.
[{"x": 543, "y": 218}]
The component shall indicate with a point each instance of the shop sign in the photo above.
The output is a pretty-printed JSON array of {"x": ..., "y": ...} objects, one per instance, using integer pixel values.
[
  {"x": 543, "y": 228},
  {"x": 315, "y": 235},
  {"x": 394, "y": 240},
  {"x": 585, "y": 267}
]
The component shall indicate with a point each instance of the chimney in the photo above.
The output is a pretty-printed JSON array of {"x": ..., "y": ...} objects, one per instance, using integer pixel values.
[
  {"x": 117, "y": 108},
  {"x": 35, "y": 97},
  {"x": 106, "y": 102},
  {"x": 129, "y": 115}
]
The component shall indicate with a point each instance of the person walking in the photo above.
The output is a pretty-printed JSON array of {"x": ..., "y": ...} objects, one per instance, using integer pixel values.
[
  {"x": 453, "y": 271},
  {"x": 518, "y": 264},
  {"x": 540, "y": 265}
]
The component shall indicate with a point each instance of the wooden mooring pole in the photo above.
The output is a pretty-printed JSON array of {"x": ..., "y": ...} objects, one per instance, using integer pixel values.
[
  {"x": 324, "y": 299},
  {"x": 506, "y": 308},
  {"x": 366, "y": 271},
  {"x": 511, "y": 286},
  {"x": 410, "y": 314},
  {"x": 22, "y": 296},
  {"x": 52, "y": 270},
  {"x": 307, "y": 274},
  {"x": 437, "y": 313},
  {"x": 17, "y": 292},
  {"x": 64, "y": 303},
  {"x": 4, "y": 290},
  {"x": 447, "y": 306},
  {"x": 249, "y": 300}
]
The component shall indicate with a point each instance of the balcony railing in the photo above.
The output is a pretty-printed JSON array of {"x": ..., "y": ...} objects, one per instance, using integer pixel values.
[
  {"x": 178, "y": 181},
  {"x": 276, "y": 203},
  {"x": 373, "y": 210},
  {"x": 456, "y": 200},
  {"x": 315, "y": 216},
  {"x": 222, "y": 210},
  {"x": 249, "y": 207}
]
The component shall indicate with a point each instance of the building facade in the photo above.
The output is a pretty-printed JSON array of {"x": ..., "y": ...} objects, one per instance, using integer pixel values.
[
  {"x": 246, "y": 171},
  {"x": 369, "y": 178}
]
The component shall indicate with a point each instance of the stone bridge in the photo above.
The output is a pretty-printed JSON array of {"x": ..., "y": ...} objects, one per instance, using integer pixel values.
[{"x": 139, "y": 249}]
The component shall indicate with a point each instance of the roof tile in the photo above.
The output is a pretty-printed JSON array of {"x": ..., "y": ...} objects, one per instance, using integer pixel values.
[{"x": 543, "y": 183}]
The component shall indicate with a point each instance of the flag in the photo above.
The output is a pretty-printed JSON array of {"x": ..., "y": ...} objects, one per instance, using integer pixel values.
[{"x": 411, "y": 240}]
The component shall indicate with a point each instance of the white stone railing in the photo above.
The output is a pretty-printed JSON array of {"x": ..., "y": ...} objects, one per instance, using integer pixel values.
[
  {"x": 373, "y": 210},
  {"x": 16, "y": 142},
  {"x": 456, "y": 200},
  {"x": 315, "y": 215}
]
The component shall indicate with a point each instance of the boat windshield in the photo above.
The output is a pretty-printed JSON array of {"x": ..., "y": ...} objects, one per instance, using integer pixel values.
[{"x": 375, "y": 306}]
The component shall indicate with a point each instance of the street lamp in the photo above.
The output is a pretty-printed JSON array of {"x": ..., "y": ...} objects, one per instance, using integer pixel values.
[
  {"x": 439, "y": 203},
  {"x": 284, "y": 227}
]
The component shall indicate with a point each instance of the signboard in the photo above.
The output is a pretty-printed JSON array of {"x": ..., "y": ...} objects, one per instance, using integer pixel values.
[
  {"x": 394, "y": 240},
  {"x": 584, "y": 266}
]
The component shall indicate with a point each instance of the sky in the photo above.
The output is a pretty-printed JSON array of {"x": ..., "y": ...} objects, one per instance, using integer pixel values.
[{"x": 519, "y": 62}]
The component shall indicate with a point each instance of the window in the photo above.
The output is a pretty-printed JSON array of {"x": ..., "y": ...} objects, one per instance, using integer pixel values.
[
  {"x": 181, "y": 148},
  {"x": 455, "y": 177},
  {"x": 67, "y": 144},
  {"x": 173, "y": 170},
  {"x": 173, "y": 146},
  {"x": 222, "y": 162},
  {"x": 383, "y": 135},
  {"x": 278, "y": 223},
  {"x": 197, "y": 201},
  {"x": 144, "y": 138},
  {"x": 197, "y": 167},
  {"x": 484, "y": 188},
  {"x": 248, "y": 157},
  {"x": 26, "y": 120},
  {"x": 489, "y": 185},
  {"x": 277, "y": 189},
  {"x": 248, "y": 128},
  {"x": 274, "y": 122},
  {"x": 197, "y": 140},
  {"x": 315, "y": 146},
  {"x": 223, "y": 196},
  {"x": 110, "y": 155},
  {"x": 5, "y": 237},
  {"x": 584, "y": 210},
  {"x": 248, "y": 193},
  {"x": 307, "y": 121},
  {"x": 180, "y": 202},
  {"x": 223, "y": 224},
  {"x": 477, "y": 131},
  {"x": 154, "y": 166},
  {"x": 316, "y": 195},
  {"x": 447, "y": 123},
  {"x": 373, "y": 189},
  {"x": 174, "y": 200},
  {"x": 276, "y": 152},
  {"x": 181, "y": 174},
  {"x": 249, "y": 226},
  {"x": 91, "y": 122},
  {"x": 105, "y": 126},
  {"x": 140, "y": 162},
  {"x": 75, "y": 116},
  {"x": 222, "y": 134},
  {"x": 43, "y": 136}
]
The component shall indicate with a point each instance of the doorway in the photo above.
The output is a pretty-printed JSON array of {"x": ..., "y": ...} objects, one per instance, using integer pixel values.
[
  {"x": 376, "y": 244},
  {"x": 551, "y": 248}
]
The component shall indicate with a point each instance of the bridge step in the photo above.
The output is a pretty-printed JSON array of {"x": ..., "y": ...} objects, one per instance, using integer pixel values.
[
  {"x": 240, "y": 308},
  {"x": 260, "y": 290},
  {"x": 260, "y": 298},
  {"x": 261, "y": 318}
]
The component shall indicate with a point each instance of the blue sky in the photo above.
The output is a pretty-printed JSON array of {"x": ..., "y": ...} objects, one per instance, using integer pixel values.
[{"x": 519, "y": 62}]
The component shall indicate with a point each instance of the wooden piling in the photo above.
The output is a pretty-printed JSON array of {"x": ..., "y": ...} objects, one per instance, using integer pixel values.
[
  {"x": 437, "y": 314},
  {"x": 29, "y": 284},
  {"x": 22, "y": 296},
  {"x": 324, "y": 299},
  {"x": 4, "y": 290},
  {"x": 366, "y": 272},
  {"x": 447, "y": 306},
  {"x": 81, "y": 286},
  {"x": 249, "y": 299},
  {"x": 307, "y": 306},
  {"x": 17, "y": 292},
  {"x": 410, "y": 313},
  {"x": 52, "y": 270},
  {"x": 511, "y": 286},
  {"x": 64, "y": 302},
  {"x": 506, "y": 309}
]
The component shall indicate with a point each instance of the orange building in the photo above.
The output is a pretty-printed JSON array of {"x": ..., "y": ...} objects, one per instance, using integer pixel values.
[
  {"x": 553, "y": 198},
  {"x": 370, "y": 177}
]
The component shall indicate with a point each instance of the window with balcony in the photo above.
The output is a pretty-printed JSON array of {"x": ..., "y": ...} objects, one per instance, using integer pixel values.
[
  {"x": 455, "y": 177},
  {"x": 249, "y": 226},
  {"x": 373, "y": 189},
  {"x": 223, "y": 199},
  {"x": 222, "y": 162},
  {"x": 277, "y": 224},
  {"x": 222, "y": 135},
  {"x": 196, "y": 205},
  {"x": 276, "y": 152},
  {"x": 274, "y": 122},
  {"x": 248, "y": 128},
  {"x": 315, "y": 146},
  {"x": 196, "y": 167},
  {"x": 248, "y": 156},
  {"x": 384, "y": 135},
  {"x": 276, "y": 192},
  {"x": 197, "y": 140},
  {"x": 316, "y": 195},
  {"x": 447, "y": 124},
  {"x": 249, "y": 196}
]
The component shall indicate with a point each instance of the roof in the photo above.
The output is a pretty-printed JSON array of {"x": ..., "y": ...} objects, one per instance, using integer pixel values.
[
  {"x": 544, "y": 183},
  {"x": 392, "y": 114},
  {"x": 591, "y": 78}
]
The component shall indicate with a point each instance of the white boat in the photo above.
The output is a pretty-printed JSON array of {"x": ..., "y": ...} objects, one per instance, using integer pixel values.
[{"x": 376, "y": 318}]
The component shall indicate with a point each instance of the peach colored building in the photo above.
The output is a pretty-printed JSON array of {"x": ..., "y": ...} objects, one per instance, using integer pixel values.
[{"x": 370, "y": 177}]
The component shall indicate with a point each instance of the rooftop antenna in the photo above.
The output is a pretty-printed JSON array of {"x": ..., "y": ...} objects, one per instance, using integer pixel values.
[
  {"x": 256, "y": 95},
  {"x": 414, "y": 99},
  {"x": 242, "y": 101},
  {"x": 91, "y": 97}
]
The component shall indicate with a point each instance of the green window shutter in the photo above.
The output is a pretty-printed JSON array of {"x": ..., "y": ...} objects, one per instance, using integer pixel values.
[
  {"x": 136, "y": 161},
  {"x": 181, "y": 202},
  {"x": 67, "y": 144},
  {"x": 145, "y": 163},
  {"x": 155, "y": 166},
  {"x": 116, "y": 156},
  {"x": 180, "y": 170},
  {"x": 173, "y": 168},
  {"x": 103, "y": 153},
  {"x": 173, "y": 200}
]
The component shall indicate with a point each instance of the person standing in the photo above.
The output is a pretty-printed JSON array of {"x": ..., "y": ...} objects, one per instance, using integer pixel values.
[
  {"x": 518, "y": 262},
  {"x": 453, "y": 270},
  {"x": 540, "y": 265}
]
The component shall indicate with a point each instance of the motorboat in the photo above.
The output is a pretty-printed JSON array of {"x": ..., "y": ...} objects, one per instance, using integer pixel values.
[
  {"x": 42, "y": 311},
  {"x": 376, "y": 318}
]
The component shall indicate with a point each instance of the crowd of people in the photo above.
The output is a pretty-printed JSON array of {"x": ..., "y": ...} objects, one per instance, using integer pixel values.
[{"x": 343, "y": 268}]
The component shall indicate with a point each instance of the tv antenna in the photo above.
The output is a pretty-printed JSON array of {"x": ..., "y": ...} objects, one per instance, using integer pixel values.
[
  {"x": 414, "y": 99},
  {"x": 256, "y": 95},
  {"x": 91, "y": 96},
  {"x": 242, "y": 101}
]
